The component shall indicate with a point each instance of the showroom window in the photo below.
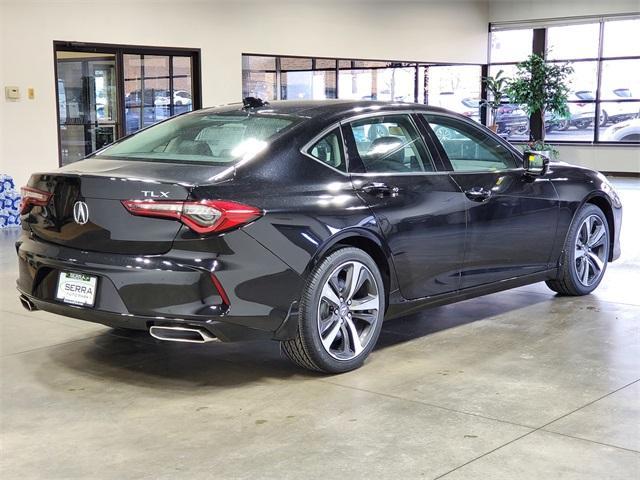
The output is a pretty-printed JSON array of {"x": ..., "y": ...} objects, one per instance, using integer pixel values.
[
  {"x": 259, "y": 77},
  {"x": 105, "y": 92},
  {"x": 605, "y": 87},
  {"x": 452, "y": 86}
]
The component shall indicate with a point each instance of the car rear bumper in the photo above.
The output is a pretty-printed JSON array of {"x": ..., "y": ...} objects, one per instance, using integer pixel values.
[
  {"x": 182, "y": 288},
  {"x": 583, "y": 116}
]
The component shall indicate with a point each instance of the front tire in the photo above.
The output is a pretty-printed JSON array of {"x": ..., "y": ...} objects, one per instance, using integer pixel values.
[
  {"x": 585, "y": 255},
  {"x": 340, "y": 315}
]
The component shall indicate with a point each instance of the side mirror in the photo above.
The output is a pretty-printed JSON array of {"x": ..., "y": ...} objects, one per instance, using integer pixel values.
[{"x": 536, "y": 163}]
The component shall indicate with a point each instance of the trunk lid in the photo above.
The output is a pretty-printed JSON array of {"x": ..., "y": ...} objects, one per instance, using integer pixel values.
[{"x": 102, "y": 185}]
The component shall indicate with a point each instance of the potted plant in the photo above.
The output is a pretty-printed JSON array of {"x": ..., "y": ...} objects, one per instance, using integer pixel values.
[
  {"x": 541, "y": 146},
  {"x": 495, "y": 94},
  {"x": 540, "y": 87}
]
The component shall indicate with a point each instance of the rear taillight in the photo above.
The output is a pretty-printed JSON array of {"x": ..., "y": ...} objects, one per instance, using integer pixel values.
[
  {"x": 32, "y": 197},
  {"x": 205, "y": 216}
]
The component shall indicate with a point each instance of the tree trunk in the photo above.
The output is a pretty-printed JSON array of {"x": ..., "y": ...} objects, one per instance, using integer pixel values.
[{"x": 536, "y": 126}]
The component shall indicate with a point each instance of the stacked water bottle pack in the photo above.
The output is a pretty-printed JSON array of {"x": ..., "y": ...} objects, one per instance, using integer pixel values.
[{"x": 9, "y": 202}]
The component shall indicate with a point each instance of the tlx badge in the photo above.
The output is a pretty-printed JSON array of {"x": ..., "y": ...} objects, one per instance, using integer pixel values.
[{"x": 153, "y": 194}]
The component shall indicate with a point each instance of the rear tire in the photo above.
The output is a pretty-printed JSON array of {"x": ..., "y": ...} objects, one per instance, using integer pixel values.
[
  {"x": 340, "y": 315},
  {"x": 585, "y": 255}
]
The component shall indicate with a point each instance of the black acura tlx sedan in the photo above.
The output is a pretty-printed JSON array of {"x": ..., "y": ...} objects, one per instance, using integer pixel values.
[{"x": 307, "y": 223}]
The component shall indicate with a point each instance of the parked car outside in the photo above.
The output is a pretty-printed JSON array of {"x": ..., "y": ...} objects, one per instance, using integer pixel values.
[
  {"x": 627, "y": 131},
  {"x": 181, "y": 97},
  {"x": 620, "y": 111},
  {"x": 582, "y": 112},
  {"x": 152, "y": 97},
  {"x": 459, "y": 103},
  {"x": 511, "y": 119},
  {"x": 161, "y": 98},
  {"x": 248, "y": 221}
]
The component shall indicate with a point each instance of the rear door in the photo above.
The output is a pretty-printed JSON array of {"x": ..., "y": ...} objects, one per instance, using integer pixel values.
[
  {"x": 420, "y": 211},
  {"x": 512, "y": 218}
]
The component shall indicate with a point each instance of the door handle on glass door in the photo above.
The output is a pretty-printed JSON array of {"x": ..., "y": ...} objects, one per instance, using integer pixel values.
[{"x": 478, "y": 194}]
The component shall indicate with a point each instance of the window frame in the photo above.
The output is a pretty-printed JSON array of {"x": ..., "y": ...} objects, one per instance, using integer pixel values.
[
  {"x": 119, "y": 50},
  {"x": 350, "y": 143},
  {"x": 441, "y": 160},
  {"x": 599, "y": 59},
  {"x": 353, "y": 65},
  {"x": 433, "y": 155},
  {"x": 305, "y": 149}
]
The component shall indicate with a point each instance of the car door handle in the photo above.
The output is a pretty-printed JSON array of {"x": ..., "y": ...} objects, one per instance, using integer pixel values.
[
  {"x": 478, "y": 194},
  {"x": 379, "y": 188}
]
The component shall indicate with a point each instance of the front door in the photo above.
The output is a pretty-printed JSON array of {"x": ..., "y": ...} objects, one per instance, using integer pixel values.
[
  {"x": 420, "y": 211},
  {"x": 87, "y": 103},
  {"x": 512, "y": 218}
]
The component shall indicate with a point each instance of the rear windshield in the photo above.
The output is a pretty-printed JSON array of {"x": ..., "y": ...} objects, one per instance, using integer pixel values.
[{"x": 217, "y": 139}]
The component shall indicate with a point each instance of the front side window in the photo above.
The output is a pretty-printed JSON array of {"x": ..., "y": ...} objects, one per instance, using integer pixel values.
[
  {"x": 329, "y": 151},
  {"x": 470, "y": 149},
  {"x": 216, "y": 138},
  {"x": 391, "y": 143}
]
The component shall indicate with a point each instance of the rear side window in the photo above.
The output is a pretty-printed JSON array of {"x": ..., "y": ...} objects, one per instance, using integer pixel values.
[
  {"x": 216, "y": 139},
  {"x": 329, "y": 150},
  {"x": 469, "y": 148},
  {"x": 389, "y": 144}
]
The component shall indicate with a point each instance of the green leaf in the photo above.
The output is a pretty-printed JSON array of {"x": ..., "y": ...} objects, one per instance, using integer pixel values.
[{"x": 540, "y": 86}]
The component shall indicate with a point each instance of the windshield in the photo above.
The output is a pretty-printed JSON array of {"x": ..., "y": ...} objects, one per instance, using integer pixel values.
[{"x": 217, "y": 139}]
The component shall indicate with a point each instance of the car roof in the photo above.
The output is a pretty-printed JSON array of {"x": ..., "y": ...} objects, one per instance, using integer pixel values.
[{"x": 324, "y": 109}]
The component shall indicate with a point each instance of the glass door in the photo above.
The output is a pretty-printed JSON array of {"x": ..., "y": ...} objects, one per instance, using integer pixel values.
[
  {"x": 105, "y": 92},
  {"x": 87, "y": 103},
  {"x": 156, "y": 87}
]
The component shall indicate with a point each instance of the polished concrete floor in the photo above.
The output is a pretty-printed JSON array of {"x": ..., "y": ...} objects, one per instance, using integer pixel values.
[{"x": 516, "y": 385}]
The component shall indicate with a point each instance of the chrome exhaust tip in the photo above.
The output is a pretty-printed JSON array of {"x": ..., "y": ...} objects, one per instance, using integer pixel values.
[
  {"x": 27, "y": 304},
  {"x": 181, "y": 334}
]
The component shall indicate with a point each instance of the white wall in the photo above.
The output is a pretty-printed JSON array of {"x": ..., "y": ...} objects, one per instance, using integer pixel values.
[
  {"x": 403, "y": 30},
  {"x": 607, "y": 158},
  {"x": 514, "y": 10},
  {"x": 429, "y": 30},
  {"x": 602, "y": 157}
]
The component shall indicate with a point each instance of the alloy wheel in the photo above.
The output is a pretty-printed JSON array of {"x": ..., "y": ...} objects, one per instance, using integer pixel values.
[
  {"x": 590, "y": 250},
  {"x": 348, "y": 310}
]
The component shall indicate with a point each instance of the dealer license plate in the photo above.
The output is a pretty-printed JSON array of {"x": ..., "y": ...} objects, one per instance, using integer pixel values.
[{"x": 77, "y": 288}]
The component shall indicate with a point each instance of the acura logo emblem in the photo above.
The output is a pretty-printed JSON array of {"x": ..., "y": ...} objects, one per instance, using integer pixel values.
[{"x": 80, "y": 213}]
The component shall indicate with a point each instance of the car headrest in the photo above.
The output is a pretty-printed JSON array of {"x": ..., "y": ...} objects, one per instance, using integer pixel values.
[
  {"x": 184, "y": 146},
  {"x": 384, "y": 146},
  {"x": 377, "y": 130}
]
